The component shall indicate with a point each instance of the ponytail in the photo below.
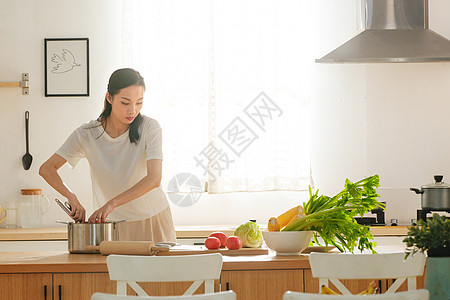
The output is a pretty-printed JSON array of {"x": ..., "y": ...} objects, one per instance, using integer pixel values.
[{"x": 120, "y": 79}]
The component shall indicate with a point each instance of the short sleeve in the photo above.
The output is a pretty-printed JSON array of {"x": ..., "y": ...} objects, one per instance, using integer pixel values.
[
  {"x": 153, "y": 140},
  {"x": 72, "y": 150}
]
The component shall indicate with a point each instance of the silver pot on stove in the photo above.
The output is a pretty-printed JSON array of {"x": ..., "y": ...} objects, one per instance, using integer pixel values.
[{"x": 435, "y": 196}]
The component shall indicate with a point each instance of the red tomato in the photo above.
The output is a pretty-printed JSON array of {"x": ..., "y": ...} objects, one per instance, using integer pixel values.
[
  {"x": 212, "y": 243},
  {"x": 221, "y": 236},
  {"x": 234, "y": 243}
]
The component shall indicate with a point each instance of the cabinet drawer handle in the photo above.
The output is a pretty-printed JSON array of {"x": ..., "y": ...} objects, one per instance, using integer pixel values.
[
  {"x": 45, "y": 292},
  {"x": 59, "y": 292},
  {"x": 227, "y": 286}
]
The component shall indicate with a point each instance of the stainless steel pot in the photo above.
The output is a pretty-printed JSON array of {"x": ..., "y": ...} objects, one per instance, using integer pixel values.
[
  {"x": 81, "y": 235},
  {"x": 435, "y": 196}
]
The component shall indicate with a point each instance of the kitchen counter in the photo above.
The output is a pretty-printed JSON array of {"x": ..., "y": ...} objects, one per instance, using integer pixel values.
[
  {"x": 58, "y": 274},
  {"x": 60, "y": 233},
  {"x": 62, "y": 261}
]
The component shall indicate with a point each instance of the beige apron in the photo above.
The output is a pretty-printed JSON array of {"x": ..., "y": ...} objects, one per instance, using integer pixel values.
[{"x": 158, "y": 228}]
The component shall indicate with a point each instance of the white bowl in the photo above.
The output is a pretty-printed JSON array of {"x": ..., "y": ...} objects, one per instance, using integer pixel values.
[{"x": 287, "y": 242}]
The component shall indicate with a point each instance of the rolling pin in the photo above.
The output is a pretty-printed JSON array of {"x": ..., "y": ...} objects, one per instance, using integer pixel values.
[{"x": 127, "y": 248}]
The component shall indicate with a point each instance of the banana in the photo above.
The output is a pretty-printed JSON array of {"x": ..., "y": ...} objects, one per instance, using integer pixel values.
[
  {"x": 327, "y": 291},
  {"x": 363, "y": 292},
  {"x": 371, "y": 289}
]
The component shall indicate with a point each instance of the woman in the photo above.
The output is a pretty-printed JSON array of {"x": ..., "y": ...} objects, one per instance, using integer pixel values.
[{"x": 124, "y": 152}]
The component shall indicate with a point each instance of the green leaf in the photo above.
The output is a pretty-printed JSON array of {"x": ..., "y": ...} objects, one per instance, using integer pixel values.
[{"x": 332, "y": 217}]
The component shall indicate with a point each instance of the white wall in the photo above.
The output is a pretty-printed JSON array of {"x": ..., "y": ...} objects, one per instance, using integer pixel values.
[
  {"x": 24, "y": 25},
  {"x": 388, "y": 119}
]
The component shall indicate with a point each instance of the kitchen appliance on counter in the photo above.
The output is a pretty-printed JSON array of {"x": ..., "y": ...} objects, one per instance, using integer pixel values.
[
  {"x": 435, "y": 197},
  {"x": 377, "y": 220}
]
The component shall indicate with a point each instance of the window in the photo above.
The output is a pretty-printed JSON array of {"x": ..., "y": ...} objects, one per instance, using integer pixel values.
[{"x": 229, "y": 82}]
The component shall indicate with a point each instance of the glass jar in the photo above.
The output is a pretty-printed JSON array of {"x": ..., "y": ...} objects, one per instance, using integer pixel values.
[
  {"x": 11, "y": 218},
  {"x": 33, "y": 205}
]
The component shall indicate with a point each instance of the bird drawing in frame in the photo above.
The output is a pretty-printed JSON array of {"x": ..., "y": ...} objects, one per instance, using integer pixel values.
[{"x": 64, "y": 62}]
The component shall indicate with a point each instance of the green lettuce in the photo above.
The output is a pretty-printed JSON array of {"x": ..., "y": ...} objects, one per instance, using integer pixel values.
[{"x": 250, "y": 235}]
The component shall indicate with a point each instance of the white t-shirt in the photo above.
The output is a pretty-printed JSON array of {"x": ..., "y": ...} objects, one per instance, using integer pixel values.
[{"x": 116, "y": 165}]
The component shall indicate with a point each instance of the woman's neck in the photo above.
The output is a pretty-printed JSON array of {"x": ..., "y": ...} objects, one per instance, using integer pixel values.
[{"x": 114, "y": 128}]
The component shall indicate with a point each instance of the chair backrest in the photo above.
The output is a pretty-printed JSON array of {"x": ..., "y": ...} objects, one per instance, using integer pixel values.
[
  {"x": 335, "y": 266},
  {"x": 129, "y": 269},
  {"x": 409, "y": 295},
  {"x": 228, "y": 295}
]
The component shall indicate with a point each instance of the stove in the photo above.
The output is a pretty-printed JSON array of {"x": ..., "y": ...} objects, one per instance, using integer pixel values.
[
  {"x": 377, "y": 220},
  {"x": 423, "y": 213}
]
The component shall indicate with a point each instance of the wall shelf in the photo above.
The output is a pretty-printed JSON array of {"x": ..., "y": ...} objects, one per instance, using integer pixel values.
[{"x": 22, "y": 84}]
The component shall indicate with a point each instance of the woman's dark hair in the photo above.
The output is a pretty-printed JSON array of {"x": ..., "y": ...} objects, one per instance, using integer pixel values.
[{"x": 120, "y": 79}]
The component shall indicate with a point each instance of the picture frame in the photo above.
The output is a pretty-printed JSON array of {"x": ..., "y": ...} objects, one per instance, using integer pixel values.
[{"x": 66, "y": 67}]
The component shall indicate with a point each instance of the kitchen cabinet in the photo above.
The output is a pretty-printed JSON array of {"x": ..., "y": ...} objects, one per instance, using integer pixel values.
[
  {"x": 80, "y": 286},
  {"x": 26, "y": 286},
  {"x": 75, "y": 286},
  {"x": 262, "y": 284},
  {"x": 28, "y": 275},
  {"x": 356, "y": 286},
  {"x": 48, "y": 286},
  {"x": 420, "y": 283},
  {"x": 169, "y": 288}
]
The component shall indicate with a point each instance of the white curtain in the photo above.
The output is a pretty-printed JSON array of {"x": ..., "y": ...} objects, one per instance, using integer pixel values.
[{"x": 229, "y": 82}]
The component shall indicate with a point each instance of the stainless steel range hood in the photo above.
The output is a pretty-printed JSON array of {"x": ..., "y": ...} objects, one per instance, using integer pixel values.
[{"x": 395, "y": 31}]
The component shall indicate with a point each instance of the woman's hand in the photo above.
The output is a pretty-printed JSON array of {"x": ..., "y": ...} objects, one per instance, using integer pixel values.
[
  {"x": 49, "y": 171},
  {"x": 99, "y": 216},
  {"x": 78, "y": 213}
]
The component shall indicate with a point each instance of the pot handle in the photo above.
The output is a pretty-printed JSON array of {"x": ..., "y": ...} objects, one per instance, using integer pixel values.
[
  {"x": 115, "y": 222},
  {"x": 438, "y": 178},
  {"x": 63, "y": 222},
  {"x": 416, "y": 190}
]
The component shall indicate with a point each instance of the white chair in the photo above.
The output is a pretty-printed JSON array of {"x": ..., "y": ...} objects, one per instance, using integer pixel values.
[
  {"x": 409, "y": 295},
  {"x": 130, "y": 269},
  {"x": 334, "y": 266},
  {"x": 228, "y": 295}
]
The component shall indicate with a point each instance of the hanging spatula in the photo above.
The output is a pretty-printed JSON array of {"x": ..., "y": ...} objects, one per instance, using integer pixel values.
[{"x": 27, "y": 158}]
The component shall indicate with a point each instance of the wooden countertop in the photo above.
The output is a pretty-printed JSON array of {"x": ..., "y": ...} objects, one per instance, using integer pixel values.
[
  {"x": 59, "y": 261},
  {"x": 62, "y": 261},
  {"x": 33, "y": 234},
  {"x": 60, "y": 233}
]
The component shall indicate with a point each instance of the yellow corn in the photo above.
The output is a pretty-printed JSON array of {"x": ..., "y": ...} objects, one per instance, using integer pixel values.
[
  {"x": 294, "y": 218},
  {"x": 285, "y": 217},
  {"x": 273, "y": 224}
]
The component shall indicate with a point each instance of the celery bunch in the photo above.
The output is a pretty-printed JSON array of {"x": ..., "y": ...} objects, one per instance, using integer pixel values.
[{"x": 332, "y": 218}]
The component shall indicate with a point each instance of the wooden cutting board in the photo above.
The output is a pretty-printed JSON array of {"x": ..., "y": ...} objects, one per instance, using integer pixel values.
[
  {"x": 190, "y": 250},
  {"x": 148, "y": 248}
]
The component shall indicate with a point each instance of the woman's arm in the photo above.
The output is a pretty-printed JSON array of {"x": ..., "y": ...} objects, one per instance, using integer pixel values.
[
  {"x": 49, "y": 171},
  {"x": 145, "y": 185}
]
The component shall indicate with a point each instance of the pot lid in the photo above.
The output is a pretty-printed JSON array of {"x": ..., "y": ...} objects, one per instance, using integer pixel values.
[{"x": 437, "y": 184}]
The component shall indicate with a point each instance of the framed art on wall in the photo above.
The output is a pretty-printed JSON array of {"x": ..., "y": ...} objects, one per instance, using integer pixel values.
[{"x": 66, "y": 67}]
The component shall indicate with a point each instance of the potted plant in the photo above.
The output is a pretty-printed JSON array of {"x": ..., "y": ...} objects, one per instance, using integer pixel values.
[{"x": 433, "y": 237}]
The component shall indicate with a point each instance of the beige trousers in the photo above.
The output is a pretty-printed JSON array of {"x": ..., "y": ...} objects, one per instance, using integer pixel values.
[{"x": 158, "y": 228}]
